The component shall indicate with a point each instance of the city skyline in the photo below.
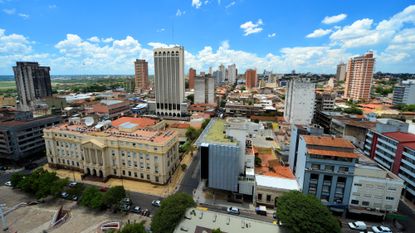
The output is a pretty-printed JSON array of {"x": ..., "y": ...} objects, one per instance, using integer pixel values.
[{"x": 107, "y": 38}]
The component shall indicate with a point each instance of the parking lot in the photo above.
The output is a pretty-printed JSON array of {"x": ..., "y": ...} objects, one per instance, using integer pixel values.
[{"x": 36, "y": 218}]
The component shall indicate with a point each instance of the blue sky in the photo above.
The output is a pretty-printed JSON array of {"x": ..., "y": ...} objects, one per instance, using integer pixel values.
[{"x": 104, "y": 37}]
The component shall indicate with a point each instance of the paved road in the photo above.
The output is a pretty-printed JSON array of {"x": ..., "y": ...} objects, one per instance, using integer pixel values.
[
  {"x": 244, "y": 213},
  {"x": 405, "y": 210},
  {"x": 191, "y": 178}
]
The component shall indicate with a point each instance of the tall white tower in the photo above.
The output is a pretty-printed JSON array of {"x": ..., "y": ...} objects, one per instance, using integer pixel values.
[
  {"x": 299, "y": 101},
  {"x": 169, "y": 81}
]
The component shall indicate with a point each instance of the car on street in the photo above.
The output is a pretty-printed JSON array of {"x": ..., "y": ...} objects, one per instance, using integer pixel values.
[
  {"x": 359, "y": 225},
  {"x": 233, "y": 210},
  {"x": 8, "y": 183},
  {"x": 72, "y": 184},
  {"x": 381, "y": 229},
  {"x": 156, "y": 203},
  {"x": 64, "y": 195},
  {"x": 136, "y": 209}
]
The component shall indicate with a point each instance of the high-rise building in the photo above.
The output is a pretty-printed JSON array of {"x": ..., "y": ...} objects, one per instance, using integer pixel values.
[
  {"x": 232, "y": 73},
  {"x": 359, "y": 76},
  {"x": 299, "y": 101},
  {"x": 325, "y": 101},
  {"x": 204, "y": 90},
  {"x": 251, "y": 78},
  {"x": 341, "y": 72},
  {"x": 404, "y": 93},
  {"x": 141, "y": 75},
  {"x": 192, "y": 75},
  {"x": 169, "y": 81},
  {"x": 32, "y": 82},
  {"x": 222, "y": 73}
]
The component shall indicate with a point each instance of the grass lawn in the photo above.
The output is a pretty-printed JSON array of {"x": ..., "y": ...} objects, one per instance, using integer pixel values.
[{"x": 7, "y": 85}]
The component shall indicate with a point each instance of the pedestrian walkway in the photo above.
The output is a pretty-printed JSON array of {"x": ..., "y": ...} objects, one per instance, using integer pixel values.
[{"x": 132, "y": 185}]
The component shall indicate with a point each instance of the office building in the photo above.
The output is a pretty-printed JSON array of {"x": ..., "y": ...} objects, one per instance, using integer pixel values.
[
  {"x": 32, "y": 83},
  {"x": 222, "y": 73},
  {"x": 341, "y": 72},
  {"x": 21, "y": 135},
  {"x": 123, "y": 148},
  {"x": 359, "y": 76},
  {"x": 192, "y": 75},
  {"x": 111, "y": 109},
  {"x": 299, "y": 101},
  {"x": 404, "y": 93},
  {"x": 251, "y": 79},
  {"x": 204, "y": 90},
  {"x": 141, "y": 75},
  {"x": 169, "y": 81},
  {"x": 374, "y": 188},
  {"x": 232, "y": 73},
  {"x": 325, "y": 167},
  {"x": 325, "y": 101}
]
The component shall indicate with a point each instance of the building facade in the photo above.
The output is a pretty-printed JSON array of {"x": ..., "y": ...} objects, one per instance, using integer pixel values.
[
  {"x": 341, "y": 72},
  {"x": 141, "y": 75},
  {"x": 104, "y": 151},
  {"x": 204, "y": 90},
  {"x": 169, "y": 81},
  {"x": 111, "y": 109},
  {"x": 325, "y": 101},
  {"x": 232, "y": 73},
  {"x": 32, "y": 82},
  {"x": 21, "y": 135},
  {"x": 192, "y": 75},
  {"x": 251, "y": 79},
  {"x": 359, "y": 76},
  {"x": 325, "y": 167},
  {"x": 404, "y": 93},
  {"x": 299, "y": 101}
]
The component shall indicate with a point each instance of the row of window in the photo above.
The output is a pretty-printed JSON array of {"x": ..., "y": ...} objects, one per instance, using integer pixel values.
[
  {"x": 135, "y": 175},
  {"x": 329, "y": 168}
]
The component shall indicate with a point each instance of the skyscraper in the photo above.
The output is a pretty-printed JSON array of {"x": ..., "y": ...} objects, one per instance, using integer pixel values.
[
  {"x": 222, "y": 73},
  {"x": 299, "y": 101},
  {"x": 192, "y": 74},
  {"x": 32, "y": 82},
  {"x": 232, "y": 73},
  {"x": 204, "y": 90},
  {"x": 251, "y": 78},
  {"x": 341, "y": 72},
  {"x": 141, "y": 75},
  {"x": 359, "y": 76},
  {"x": 169, "y": 81}
]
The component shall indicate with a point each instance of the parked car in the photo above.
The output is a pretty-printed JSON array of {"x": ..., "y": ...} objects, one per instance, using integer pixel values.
[
  {"x": 359, "y": 225},
  {"x": 156, "y": 203},
  {"x": 127, "y": 201},
  {"x": 261, "y": 210},
  {"x": 72, "y": 184},
  {"x": 64, "y": 195},
  {"x": 8, "y": 183},
  {"x": 381, "y": 229},
  {"x": 136, "y": 209},
  {"x": 233, "y": 210},
  {"x": 74, "y": 198}
]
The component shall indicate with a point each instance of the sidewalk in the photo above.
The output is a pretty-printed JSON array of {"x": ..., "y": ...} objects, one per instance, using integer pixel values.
[{"x": 132, "y": 185}]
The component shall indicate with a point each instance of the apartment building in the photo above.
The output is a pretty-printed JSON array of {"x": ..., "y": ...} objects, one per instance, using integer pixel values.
[
  {"x": 123, "y": 148},
  {"x": 141, "y": 75},
  {"x": 299, "y": 101},
  {"x": 111, "y": 109},
  {"x": 404, "y": 93}
]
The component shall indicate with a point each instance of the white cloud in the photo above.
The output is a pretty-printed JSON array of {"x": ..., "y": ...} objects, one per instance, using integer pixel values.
[
  {"x": 161, "y": 30},
  {"x": 318, "y": 33},
  {"x": 24, "y": 16},
  {"x": 196, "y": 4},
  {"x": 230, "y": 4},
  {"x": 252, "y": 28},
  {"x": 94, "y": 39},
  {"x": 272, "y": 35},
  {"x": 10, "y": 11},
  {"x": 180, "y": 13},
  {"x": 107, "y": 40},
  {"x": 53, "y": 6},
  {"x": 334, "y": 19}
]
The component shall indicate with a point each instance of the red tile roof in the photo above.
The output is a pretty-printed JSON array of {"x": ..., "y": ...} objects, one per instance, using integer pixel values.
[
  {"x": 328, "y": 141},
  {"x": 401, "y": 137},
  {"x": 141, "y": 122},
  {"x": 341, "y": 154}
]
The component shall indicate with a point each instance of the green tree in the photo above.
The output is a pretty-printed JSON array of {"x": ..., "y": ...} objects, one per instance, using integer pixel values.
[
  {"x": 16, "y": 178},
  {"x": 92, "y": 198},
  {"x": 133, "y": 228},
  {"x": 217, "y": 230},
  {"x": 191, "y": 98},
  {"x": 205, "y": 123},
  {"x": 258, "y": 161},
  {"x": 305, "y": 213},
  {"x": 113, "y": 196},
  {"x": 171, "y": 212},
  {"x": 192, "y": 133}
]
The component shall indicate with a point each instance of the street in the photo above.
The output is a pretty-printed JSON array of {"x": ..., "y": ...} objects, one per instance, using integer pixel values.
[{"x": 191, "y": 178}]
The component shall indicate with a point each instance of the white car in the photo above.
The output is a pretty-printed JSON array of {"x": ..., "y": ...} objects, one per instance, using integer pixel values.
[
  {"x": 233, "y": 210},
  {"x": 8, "y": 183},
  {"x": 359, "y": 225},
  {"x": 72, "y": 184},
  {"x": 381, "y": 229},
  {"x": 156, "y": 203}
]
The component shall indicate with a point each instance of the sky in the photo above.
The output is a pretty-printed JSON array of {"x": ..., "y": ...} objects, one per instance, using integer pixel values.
[{"x": 106, "y": 36}]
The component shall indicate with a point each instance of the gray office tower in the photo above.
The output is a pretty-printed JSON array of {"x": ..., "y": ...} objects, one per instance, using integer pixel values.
[{"x": 32, "y": 82}]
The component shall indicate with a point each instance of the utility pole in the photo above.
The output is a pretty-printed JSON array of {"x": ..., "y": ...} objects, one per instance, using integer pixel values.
[{"x": 3, "y": 218}]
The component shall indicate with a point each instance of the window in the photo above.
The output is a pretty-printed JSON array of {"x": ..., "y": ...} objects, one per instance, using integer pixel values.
[
  {"x": 357, "y": 184},
  {"x": 268, "y": 198},
  {"x": 135, "y": 164},
  {"x": 343, "y": 169},
  {"x": 147, "y": 156},
  {"x": 141, "y": 165},
  {"x": 141, "y": 175},
  {"x": 135, "y": 174},
  {"x": 329, "y": 168},
  {"x": 260, "y": 196},
  {"x": 115, "y": 172},
  {"x": 365, "y": 203},
  {"x": 157, "y": 179},
  {"x": 123, "y": 173},
  {"x": 156, "y": 158},
  {"x": 148, "y": 177},
  {"x": 355, "y": 202},
  {"x": 129, "y": 173},
  {"x": 392, "y": 188},
  {"x": 390, "y": 198},
  {"x": 315, "y": 166}
]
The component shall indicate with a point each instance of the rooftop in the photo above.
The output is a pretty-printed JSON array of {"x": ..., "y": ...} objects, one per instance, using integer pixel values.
[
  {"x": 110, "y": 102},
  {"x": 216, "y": 133},
  {"x": 334, "y": 153},
  {"x": 271, "y": 165},
  {"x": 277, "y": 182},
  {"x": 328, "y": 141},
  {"x": 401, "y": 137},
  {"x": 410, "y": 145},
  {"x": 142, "y": 122}
]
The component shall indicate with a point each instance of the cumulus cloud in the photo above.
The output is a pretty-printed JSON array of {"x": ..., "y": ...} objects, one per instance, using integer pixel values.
[
  {"x": 107, "y": 40},
  {"x": 196, "y": 4},
  {"x": 231, "y": 4},
  {"x": 252, "y": 28},
  {"x": 24, "y": 16},
  {"x": 272, "y": 35},
  {"x": 334, "y": 19},
  {"x": 318, "y": 33},
  {"x": 10, "y": 11},
  {"x": 94, "y": 39}
]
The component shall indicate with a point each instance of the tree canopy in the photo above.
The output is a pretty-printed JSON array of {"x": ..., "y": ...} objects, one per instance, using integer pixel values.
[
  {"x": 305, "y": 213},
  {"x": 92, "y": 198},
  {"x": 171, "y": 212},
  {"x": 113, "y": 196},
  {"x": 133, "y": 228}
]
